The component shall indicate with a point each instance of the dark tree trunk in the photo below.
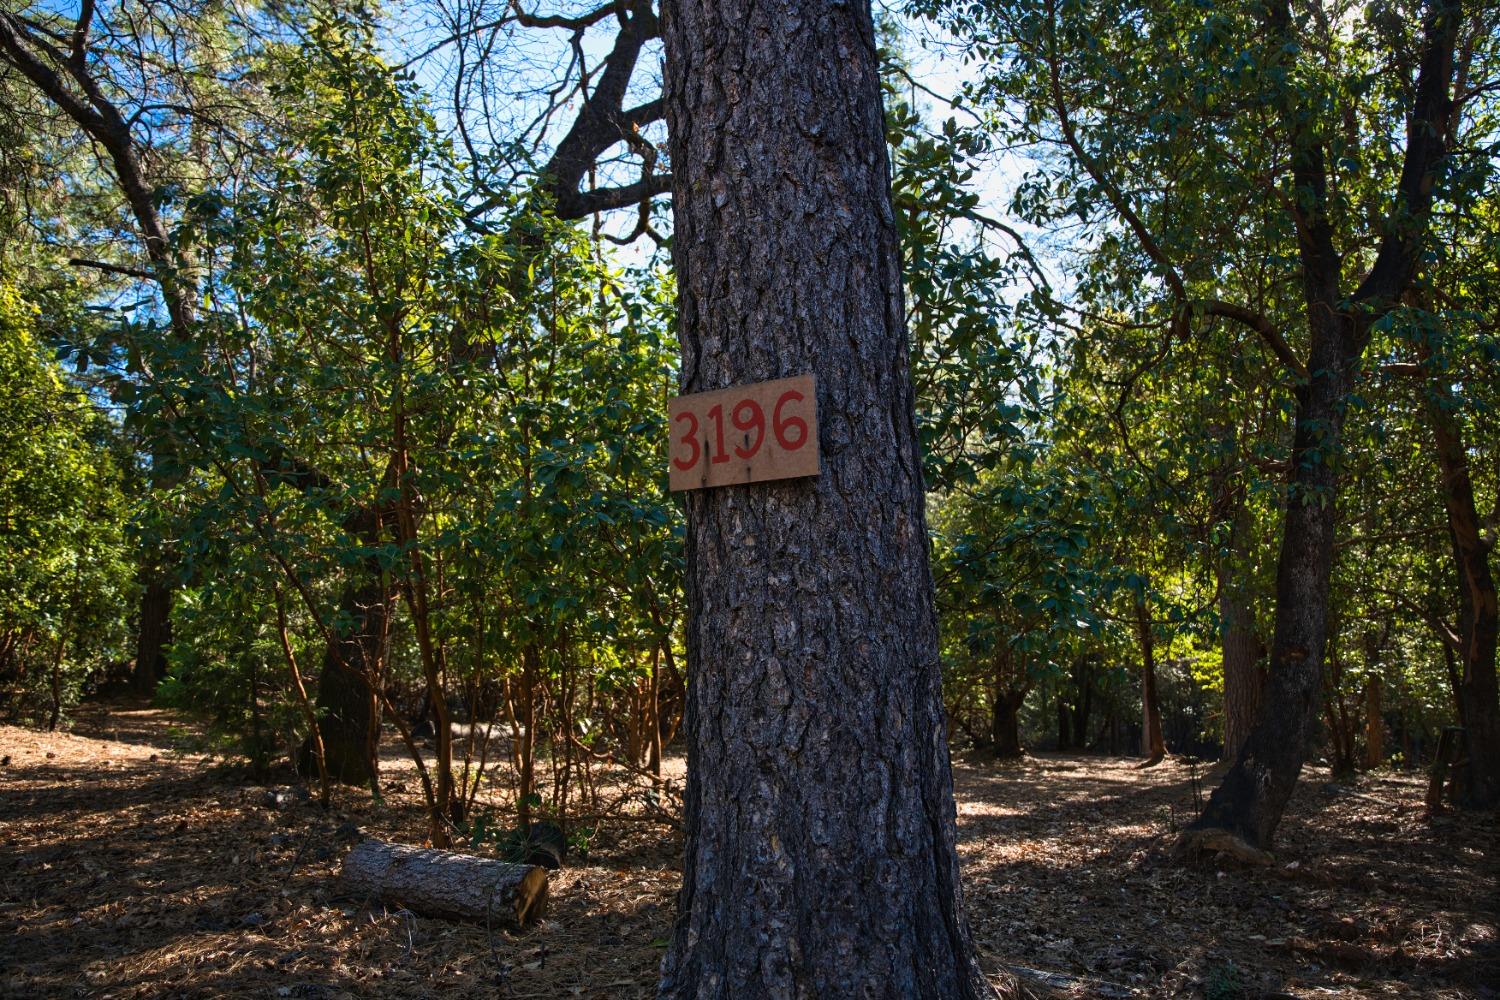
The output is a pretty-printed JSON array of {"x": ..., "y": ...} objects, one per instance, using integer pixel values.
[
  {"x": 1340, "y": 720},
  {"x": 1474, "y": 687},
  {"x": 1244, "y": 676},
  {"x": 1374, "y": 726},
  {"x": 1083, "y": 705},
  {"x": 348, "y": 702},
  {"x": 153, "y": 631},
  {"x": 820, "y": 857},
  {"x": 1064, "y": 722},
  {"x": 1153, "y": 745},
  {"x": 1249, "y": 801},
  {"x": 1005, "y": 725}
]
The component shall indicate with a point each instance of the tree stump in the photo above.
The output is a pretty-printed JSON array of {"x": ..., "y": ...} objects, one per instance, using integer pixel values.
[{"x": 444, "y": 884}]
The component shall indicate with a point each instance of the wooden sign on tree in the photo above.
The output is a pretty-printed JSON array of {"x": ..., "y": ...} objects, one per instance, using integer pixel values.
[{"x": 748, "y": 434}]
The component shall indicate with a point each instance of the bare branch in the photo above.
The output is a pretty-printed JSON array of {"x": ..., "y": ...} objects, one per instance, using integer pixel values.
[
  {"x": 100, "y": 265},
  {"x": 1261, "y": 325},
  {"x": 81, "y": 33}
]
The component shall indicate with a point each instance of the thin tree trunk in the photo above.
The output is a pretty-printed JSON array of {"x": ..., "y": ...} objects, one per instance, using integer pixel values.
[
  {"x": 1083, "y": 706},
  {"x": 653, "y": 709},
  {"x": 1479, "y": 615},
  {"x": 260, "y": 759},
  {"x": 1341, "y": 726},
  {"x": 524, "y": 733},
  {"x": 1374, "y": 726},
  {"x": 56, "y": 679},
  {"x": 1153, "y": 746},
  {"x": 309, "y": 717},
  {"x": 820, "y": 855}
]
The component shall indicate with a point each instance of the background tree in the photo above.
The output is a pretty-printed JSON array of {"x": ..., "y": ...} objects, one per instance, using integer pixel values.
[{"x": 1167, "y": 179}]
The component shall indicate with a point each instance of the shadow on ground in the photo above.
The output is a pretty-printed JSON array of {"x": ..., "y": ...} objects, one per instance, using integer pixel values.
[{"x": 130, "y": 867}]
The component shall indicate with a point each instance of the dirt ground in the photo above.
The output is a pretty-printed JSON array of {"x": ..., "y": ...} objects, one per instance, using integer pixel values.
[{"x": 132, "y": 865}]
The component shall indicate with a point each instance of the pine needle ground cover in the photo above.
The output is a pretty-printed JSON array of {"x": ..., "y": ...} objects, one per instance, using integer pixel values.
[{"x": 134, "y": 866}]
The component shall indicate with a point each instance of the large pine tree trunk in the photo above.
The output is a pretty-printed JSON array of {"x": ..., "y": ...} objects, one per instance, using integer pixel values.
[{"x": 820, "y": 823}]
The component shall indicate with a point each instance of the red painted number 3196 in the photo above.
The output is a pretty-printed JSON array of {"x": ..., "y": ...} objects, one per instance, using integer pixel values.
[{"x": 727, "y": 437}]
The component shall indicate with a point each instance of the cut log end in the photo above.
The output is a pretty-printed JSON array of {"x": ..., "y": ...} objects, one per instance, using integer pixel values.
[
  {"x": 1195, "y": 843},
  {"x": 448, "y": 885}
]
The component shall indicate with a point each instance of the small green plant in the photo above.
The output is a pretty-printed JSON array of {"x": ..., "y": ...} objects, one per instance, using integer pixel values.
[
  {"x": 579, "y": 840},
  {"x": 520, "y": 845},
  {"x": 1224, "y": 982}
]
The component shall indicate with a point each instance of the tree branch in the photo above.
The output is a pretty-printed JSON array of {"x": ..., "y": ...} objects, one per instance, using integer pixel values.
[
  {"x": 102, "y": 121},
  {"x": 1261, "y": 325},
  {"x": 81, "y": 33},
  {"x": 122, "y": 269},
  {"x": 1426, "y": 147},
  {"x": 525, "y": 20},
  {"x": 1111, "y": 191},
  {"x": 1431, "y": 619}
]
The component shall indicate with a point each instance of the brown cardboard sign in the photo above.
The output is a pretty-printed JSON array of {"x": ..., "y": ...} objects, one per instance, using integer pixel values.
[{"x": 747, "y": 434}]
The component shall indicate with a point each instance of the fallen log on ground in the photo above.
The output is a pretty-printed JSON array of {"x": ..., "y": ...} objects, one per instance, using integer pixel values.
[{"x": 444, "y": 884}]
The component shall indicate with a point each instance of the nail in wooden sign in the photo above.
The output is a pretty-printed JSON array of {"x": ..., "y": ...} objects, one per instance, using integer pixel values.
[{"x": 768, "y": 430}]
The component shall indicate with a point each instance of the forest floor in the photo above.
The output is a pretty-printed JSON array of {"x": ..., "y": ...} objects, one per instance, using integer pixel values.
[{"x": 134, "y": 865}]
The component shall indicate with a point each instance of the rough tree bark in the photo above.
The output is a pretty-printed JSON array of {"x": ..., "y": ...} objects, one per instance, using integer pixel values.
[
  {"x": 820, "y": 821},
  {"x": 1248, "y": 804},
  {"x": 444, "y": 884}
]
